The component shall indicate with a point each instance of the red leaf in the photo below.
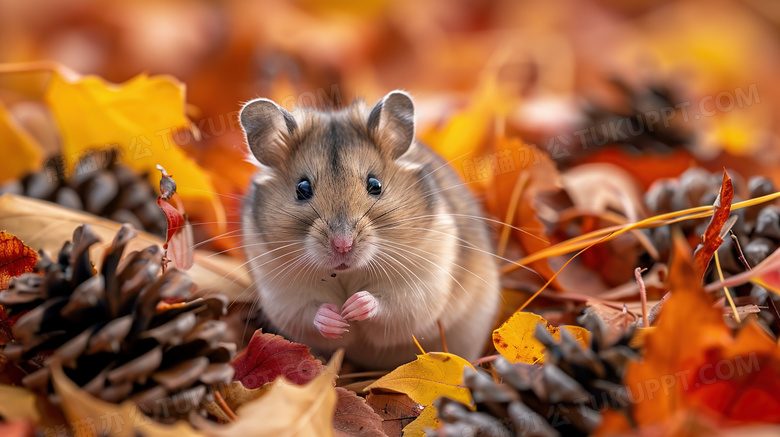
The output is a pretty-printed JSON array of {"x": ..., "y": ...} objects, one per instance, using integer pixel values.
[
  {"x": 15, "y": 258},
  {"x": 711, "y": 240},
  {"x": 353, "y": 417},
  {"x": 173, "y": 216},
  {"x": 269, "y": 356}
]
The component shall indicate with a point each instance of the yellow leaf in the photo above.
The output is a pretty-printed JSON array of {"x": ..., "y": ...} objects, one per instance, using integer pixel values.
[
  {"x": 429, "y": 377},
  {"x": 21, "y": 153},
  {"x": 466, "y": 132},
  {"x": 288, "y": 409},
  {"x": 516, "y": 342},
  {"x": 426, "y": 419},
  {"x": 138, "y": 117},
  {"x": 92, "y": 417},
  {"x": 17, "y": 403}
]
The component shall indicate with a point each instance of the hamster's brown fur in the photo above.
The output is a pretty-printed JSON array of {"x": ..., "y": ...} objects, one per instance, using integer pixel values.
[{"x": 419, "y": 248}]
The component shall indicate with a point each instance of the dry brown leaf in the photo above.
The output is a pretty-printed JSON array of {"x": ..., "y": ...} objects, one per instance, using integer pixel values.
[
  {"x": 43, "y": 225},
  {"x": 397, "y": 410},
  {"x": 354, "y": 417}
]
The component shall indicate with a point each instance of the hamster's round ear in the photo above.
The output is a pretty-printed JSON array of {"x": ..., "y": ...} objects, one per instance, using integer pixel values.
[
  {"x": 267, "y": 127},
  {"x": 391, "y": 123}
]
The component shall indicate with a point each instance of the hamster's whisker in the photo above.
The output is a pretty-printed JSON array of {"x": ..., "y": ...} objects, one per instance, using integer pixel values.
[
  {"x": 455, "y": 264},
  {"x": 218, "y": 237},
  {"x": 417, "y": 293},
  {"x": 475, "y": 217},
  {"x": 252, "y": 245},
  {"x": 251, "y": 286},
  {"x": 181, "y": 189},
  {"x": 439, "y": 168},
  {"x": 401, "y": 248},
  {"x": 472, "y": 247},
  {"x": 256, "y": 267},
  {"x": 419, "y": 281}
]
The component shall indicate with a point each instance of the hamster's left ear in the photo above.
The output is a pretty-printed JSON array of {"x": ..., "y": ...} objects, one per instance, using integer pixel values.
[{"x": 391, "y": 123}]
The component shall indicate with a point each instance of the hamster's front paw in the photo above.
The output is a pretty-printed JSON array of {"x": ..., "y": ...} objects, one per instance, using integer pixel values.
[
  {"x": 360, "y": 306},
  {"x": 329, "y": 322}
]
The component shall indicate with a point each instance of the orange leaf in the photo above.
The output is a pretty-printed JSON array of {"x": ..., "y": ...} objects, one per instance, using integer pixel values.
[
  {"x": 15, "y": 258},
  {"x": 711, "y": 240},
  {"x": 694, "y": 369}
]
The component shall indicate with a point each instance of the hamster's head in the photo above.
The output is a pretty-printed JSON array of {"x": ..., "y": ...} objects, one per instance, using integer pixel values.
[{"x": 335, "y": 189}]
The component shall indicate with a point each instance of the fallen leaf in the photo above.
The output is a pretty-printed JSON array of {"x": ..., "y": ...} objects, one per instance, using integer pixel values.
[
  {"x": 353, "y": 417},
  {"x": 711, "y": 240},
  {"x": 288, "y": 409},
  {"x": 92, "y": 417},
  {"x": 428, "y": 419},
  {"x": 694, "y": 368},
  {"x": 17, "y": 403},
  {"x": 396, "y": 410},
  {"x": 21, "y": 153},
  {"x": 515, "y": 339},
  {"x": 428, "y": 378},
  {"x": 45, "y": 226},
  {"x": 269, "y": 356},
  {"x": 15, "y": 258},
  {"x": 138, "y": 117}
]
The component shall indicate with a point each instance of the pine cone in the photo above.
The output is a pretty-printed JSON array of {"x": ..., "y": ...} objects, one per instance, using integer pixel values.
[
  {"x": 757, "y": 228},
  {"x": 99, "y": 185},
  {"x": 563, "y": 397},
  {"x": 627, "y": 122},
  {"x": 122, "y": 333}
]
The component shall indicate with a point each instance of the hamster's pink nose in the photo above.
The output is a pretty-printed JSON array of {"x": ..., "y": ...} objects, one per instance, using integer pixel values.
[{"x": 342, "y": 243}]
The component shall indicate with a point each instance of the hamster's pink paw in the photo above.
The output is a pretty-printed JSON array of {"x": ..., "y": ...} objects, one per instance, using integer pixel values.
[
  {"x": 329, "y": 322},
  {"x": 360, "y": 306}
]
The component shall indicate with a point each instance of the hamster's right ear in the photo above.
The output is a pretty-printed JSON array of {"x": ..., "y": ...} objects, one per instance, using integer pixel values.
[{"x": 268, "y": 126}]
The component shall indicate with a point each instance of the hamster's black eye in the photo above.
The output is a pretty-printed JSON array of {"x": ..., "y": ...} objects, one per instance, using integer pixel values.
[
  {"x": 373, "y": 186},
  {"x": 303, "y": 190}
]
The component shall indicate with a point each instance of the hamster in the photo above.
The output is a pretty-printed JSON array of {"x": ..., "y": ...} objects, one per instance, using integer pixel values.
[{"x": 360, "y": 237}]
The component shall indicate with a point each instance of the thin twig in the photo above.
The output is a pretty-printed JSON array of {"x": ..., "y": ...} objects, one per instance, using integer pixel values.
[
  {"x": 486, "y": 359},
  {"x": 443, "y": 337},
  {"x": 643, "y": 293},
  {"x": 726, "y": 290},
  {"x": 222, "y": 404}
]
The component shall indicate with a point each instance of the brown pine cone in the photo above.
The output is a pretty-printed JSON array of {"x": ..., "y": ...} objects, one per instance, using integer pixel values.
[
  {"x": 121, "y": 333},
  {"x": 100, "y": 185},
  {"x": 642, "y": 119},
  {"x": 757, "y": 228},
  {"x": 562, "y": 397}
]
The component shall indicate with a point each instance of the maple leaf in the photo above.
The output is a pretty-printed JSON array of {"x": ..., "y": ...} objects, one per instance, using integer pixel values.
[
  {"x": 21, "y": 153},
  {"x": 270, "y": 356},
  {"x": 138, "y": 117},
  {"x": 515, "y": 339},
  {"x": 711, "y": 240},
  {"x": 15, "y": 258}
]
